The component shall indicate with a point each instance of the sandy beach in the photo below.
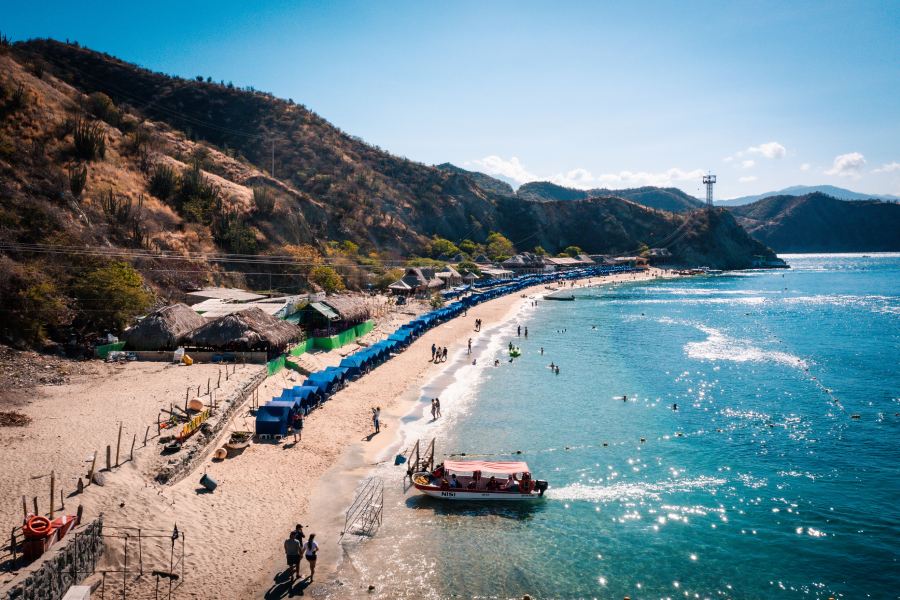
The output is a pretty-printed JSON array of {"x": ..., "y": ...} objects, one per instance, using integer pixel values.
[{"x": 233, "y": 537}]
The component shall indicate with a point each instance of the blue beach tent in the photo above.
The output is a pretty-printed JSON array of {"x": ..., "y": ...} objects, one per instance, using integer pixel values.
[{"x": 272, "y": 420}]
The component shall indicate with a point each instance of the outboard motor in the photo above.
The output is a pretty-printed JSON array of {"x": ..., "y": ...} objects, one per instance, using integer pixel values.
[{"x": 541, "y": 486}]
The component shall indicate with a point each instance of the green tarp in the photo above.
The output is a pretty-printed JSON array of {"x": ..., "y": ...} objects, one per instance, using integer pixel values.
[
  {"x": 104, "y": 350},
  {"x": 323, "y": 343}
]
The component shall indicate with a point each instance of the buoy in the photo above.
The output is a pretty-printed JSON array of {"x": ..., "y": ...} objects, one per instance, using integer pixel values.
[
  {"x": 220, "y": 454},
  {"x": 643, "y": 440},
  {"x": 36, "y": 527}
]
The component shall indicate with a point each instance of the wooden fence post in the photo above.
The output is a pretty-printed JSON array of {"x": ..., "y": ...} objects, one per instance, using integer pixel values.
[
  {"x": 133, "y": 440},
  {"x": 146, "y": 433},
  {"x": 12, "y": 545},
  {"x": 62, "y": 499},
  {"x": 24, "y": 508},
  {"x": 93, "y": 466},
  {"x": 208, "y": 381},
  {"x": 219, "y": 381},
  {"x": 108, "y": 457},
  {"x": 118, "y": 443},
  {"x": 34, "y": 500},
  {"x": 52, "y": 493}
]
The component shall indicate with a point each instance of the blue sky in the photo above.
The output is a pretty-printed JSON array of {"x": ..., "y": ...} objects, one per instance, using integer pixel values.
[{"x": 589, "y": 94}]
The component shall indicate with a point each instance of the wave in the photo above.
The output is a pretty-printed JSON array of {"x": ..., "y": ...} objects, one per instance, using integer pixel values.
[
  {"x": 878, "y": 304},
  {"x": 718, "y": 346},
  {"x": 632, "y": 491},
  {"x": 750, "y": 300}
]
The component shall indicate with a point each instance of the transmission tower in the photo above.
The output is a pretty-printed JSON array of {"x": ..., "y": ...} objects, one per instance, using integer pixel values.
[{"x": 709, "y": 181}]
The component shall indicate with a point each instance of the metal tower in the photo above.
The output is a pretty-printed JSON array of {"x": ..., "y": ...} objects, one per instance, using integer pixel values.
[{"x": 709, "y": 181}]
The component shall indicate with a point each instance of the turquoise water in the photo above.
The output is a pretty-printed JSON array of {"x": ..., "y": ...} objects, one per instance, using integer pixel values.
[{"x": 762, "y": 484}]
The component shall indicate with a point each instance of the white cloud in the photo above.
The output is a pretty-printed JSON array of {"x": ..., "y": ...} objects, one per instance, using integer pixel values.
[
  {"x": 512, "y": 168},
  {"x": 768, "y": 150},
  {"x": 847, "y": 165},
  {"x": 728, "y": 159},
  {"x": 746, "y": 164},
  {"x": 581, "y": 178},
  {"x": 888, "y": 168},
  {"x": 747, "y": 179},
  {"x": 805, "y": 167}
]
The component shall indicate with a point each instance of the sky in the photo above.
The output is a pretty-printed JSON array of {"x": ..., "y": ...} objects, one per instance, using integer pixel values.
[{"x": 587, "y": 94}]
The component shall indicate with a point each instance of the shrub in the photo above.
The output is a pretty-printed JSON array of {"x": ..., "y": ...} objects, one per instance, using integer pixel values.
[
  {"x": 32, "y": 296},
  {"x": 163, "y": 182},
  {"x": 499, "y": 248},
  {"x": 110, "y": 296},
  {"x": 197, "y": 198},
  {"x": 120, "y": 209},
  {"x": 441, "y": 247},
  {"x": 327, "y": 279},
  {"x": 77, "y": 179},
  {"x": 90, "y": 140},
  {"x": 572, "y": 251},
  {"x": 436, "y": 301},
  {"x": 263, "y": 200},
  {"x": 234, "y": 234},
  {"x": 102, "y": 107}
]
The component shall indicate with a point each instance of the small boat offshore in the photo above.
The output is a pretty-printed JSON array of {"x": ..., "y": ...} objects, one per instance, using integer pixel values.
[{"x": 477, "y": 480}]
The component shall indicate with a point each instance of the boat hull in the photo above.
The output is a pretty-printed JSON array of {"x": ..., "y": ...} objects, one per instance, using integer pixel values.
[{"x": 475, "y": 495}]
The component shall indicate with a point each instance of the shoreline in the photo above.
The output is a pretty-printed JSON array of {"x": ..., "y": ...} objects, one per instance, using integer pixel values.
[{"x": 359, "y": 460}]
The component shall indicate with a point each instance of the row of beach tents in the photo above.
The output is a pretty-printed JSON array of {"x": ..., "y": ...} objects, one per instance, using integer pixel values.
[{"x": 273, "y": 419}]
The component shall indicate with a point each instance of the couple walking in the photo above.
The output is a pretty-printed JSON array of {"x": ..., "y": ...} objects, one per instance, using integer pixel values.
[
  {"x": 376, "y": 419},
  {"x": 477, "y": 324},
  {"x": 294, "y": 547},
  {"x": 435, "y": 408}
]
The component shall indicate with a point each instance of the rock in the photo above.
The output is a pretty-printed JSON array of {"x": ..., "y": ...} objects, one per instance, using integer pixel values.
[{"x": 99, "y": 479}]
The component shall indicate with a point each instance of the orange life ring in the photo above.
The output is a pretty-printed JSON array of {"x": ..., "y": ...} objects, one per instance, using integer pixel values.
[{"x": 36, "y": 527}]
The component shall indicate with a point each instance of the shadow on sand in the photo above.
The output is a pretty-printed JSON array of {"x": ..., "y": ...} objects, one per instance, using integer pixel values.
[{"x": 283, "y": 588}]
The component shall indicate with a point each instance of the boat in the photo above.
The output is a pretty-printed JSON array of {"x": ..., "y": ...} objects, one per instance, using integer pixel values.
[
  {"x": 238, "y": 442},
  {"x": 480, "y": 480},
  {"x": 560, "y": 296}
]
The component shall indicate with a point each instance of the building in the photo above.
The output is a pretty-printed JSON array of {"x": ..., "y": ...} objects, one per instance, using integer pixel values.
[
  {"x": 449, "y": 276},
  {"x": 526, "y": 262},
  {"x": 223, "y": 294},
  {"x": 417, "y": 280},
  {"x": 564, "y": 263}
]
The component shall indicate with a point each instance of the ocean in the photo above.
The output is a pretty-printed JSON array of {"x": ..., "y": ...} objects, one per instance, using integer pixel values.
[{"x": 776, "y": 477}]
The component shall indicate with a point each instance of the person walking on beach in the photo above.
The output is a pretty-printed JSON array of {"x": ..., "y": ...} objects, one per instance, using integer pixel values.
[
  {"x": 519, "y": 331},
  {"x": 526, "y": 332},
  {"x": 437, "y": 407},
  {"x": 311, "y": 548},
  {"x": 433, "y": 350},
  {"x": 297, "y": 426},
  {"x": 470, "y": 346},
  {"x": 376, "y": 419},
  {"x": 445, "y": 354},
  {"x": 292, "y": 554},
  {"x": 433, "y": 410}
]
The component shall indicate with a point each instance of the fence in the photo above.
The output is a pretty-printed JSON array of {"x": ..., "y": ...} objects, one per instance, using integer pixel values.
[{"x": 329, "y": 342}]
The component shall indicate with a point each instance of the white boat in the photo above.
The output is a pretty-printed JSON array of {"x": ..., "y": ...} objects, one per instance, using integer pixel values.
[{"x": 476, "y": 480}]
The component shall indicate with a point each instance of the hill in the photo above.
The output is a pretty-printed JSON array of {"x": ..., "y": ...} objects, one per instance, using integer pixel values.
[
  {"x": 671, "y": 199},
  {"x": 803, "y": 190},
  {"x": 485, "y": 182},
  {"x": 819, "y": 223},
  {"x": 118, "y": 180}
]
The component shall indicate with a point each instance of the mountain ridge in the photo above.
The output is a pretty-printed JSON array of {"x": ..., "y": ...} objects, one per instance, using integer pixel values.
[{"x": 803, "y": 190}]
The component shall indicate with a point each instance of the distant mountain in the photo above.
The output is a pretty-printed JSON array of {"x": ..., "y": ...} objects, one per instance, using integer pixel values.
[
  {"x": 819, "y": 223},
  {"x": 802, "y": 190},
  {"x": 671, "y": 199},
  {"x": 485, "y": 182}
]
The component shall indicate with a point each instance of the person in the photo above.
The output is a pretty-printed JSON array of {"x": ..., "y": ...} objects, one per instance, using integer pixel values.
[
  {"x": 496, "y": 362},
  {"x": 557, "y": 369},
  {"x": 519, "y": 331},
  {"x": 311, "y": 548},
  {"x": 454, "y": 482},
  {"x": 433, "y": 410},
  {"x": 542, "y": 350},
  {"x": 445, "y": 353},
  {"x": 297, "y": 426},
  {"x": 474, "y": 361},
  {"x": 492, "y": 483},
  {"x": 526, "y": 333},
  {"x": 510, "y": 346},
  {"x": 433, "y": 350},
  {"x": 472, "y": 485},
  {"x": 675, "y": 406},
  {"x": 292, "y": 554},
  {"x": 470, "y": 345},
  {"x": 376, "y": 418},
  {"x": 552, "y": 366},
  {"x": 298, "y": 531},
  {"x": 437, "y": 406}
]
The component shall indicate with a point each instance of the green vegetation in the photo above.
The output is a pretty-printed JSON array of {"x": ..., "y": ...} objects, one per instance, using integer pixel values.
[
  {"x": 327, "y": 279},
  {"x": 197, "y": 198},
  {"x": 263, "y": 201},
  {"x": 90, "y": 140},
  {"x": 498, "y": 247},
  {"x": 110, "y": 296},
  {"x": 34, "y": 306},
  {"x": 233, "y": 233},
  {"x": 102, "y": 107},
  {"x": 572, "y": 251},
  {"x": 442, "y": 248},
  {"x": 539, "y": 250},
  {"x": 469, "y": 247}
]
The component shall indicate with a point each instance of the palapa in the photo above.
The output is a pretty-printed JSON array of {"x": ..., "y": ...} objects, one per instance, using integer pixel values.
[
  {"x": 349, "y": 308},
  {"x": 163, "y": 329},
  {"x": 250, "y": 329}
]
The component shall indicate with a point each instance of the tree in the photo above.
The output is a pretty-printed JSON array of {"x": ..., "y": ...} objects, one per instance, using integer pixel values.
[
  {"x": 539, "y": 250},
  {"x": 110, "y": 296},
  {"x": 442, "y": 247},
  {"x": 467, "y": 266},
  {"x": 573, "y": 251},
  {"x": 307, "y": 257},
  {"x": 382, "y": 281},
  {"x": 327, "y": 279},
  {"x": 499, "y": 248},
  {"x": 644, "y": 250},
  {"x": 469, "y": 247}
]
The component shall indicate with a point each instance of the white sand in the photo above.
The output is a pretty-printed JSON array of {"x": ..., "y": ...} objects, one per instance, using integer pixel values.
[{"x": 233, "y": 536}]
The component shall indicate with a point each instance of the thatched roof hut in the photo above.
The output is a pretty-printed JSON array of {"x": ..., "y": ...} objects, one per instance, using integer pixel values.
[
  {"x": 349, "y": 308},
  {"x": 163, "y": 329},
  {"x": 251, "y": 329}
]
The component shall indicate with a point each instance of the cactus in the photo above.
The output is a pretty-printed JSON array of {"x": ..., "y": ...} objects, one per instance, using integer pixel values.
[
  {"x": 90, "y": 140},
  {"x": 77, "y": 180}
]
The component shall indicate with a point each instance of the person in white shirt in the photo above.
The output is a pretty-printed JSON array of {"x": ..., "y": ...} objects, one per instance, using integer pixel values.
[{"x": 310, "y": 548}]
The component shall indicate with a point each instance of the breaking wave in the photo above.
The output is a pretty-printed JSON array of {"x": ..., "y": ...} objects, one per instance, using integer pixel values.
[{"x": 718, "y": 346}]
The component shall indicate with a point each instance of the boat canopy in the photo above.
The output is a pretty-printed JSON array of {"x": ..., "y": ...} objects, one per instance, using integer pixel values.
[{"x": 485, "y": 466}]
